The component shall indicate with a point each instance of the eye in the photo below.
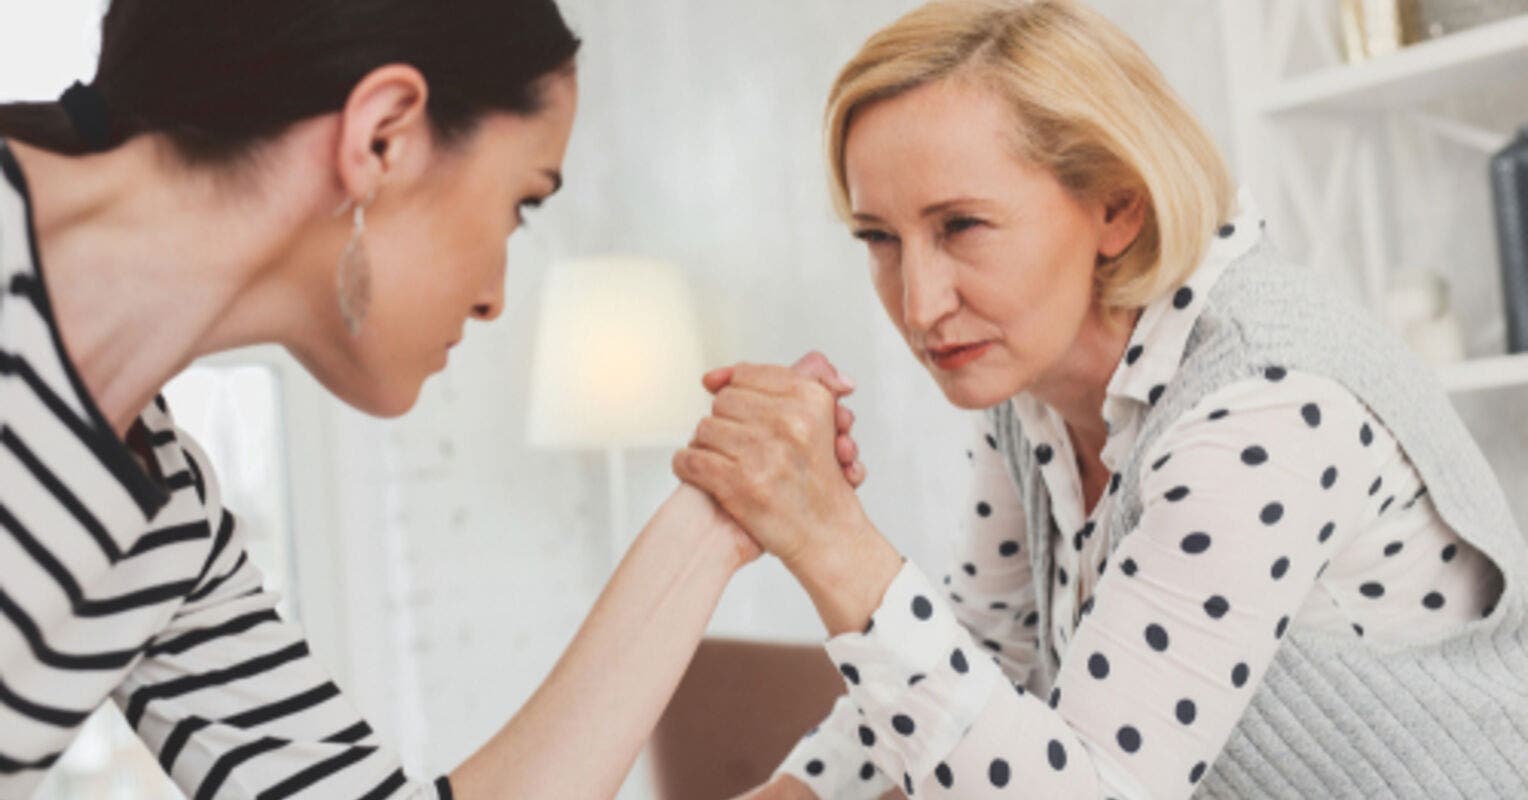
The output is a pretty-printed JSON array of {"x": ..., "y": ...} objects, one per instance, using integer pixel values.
[
  {"x": 956, "y": 225},
  {"x": 871, "y": 236}
]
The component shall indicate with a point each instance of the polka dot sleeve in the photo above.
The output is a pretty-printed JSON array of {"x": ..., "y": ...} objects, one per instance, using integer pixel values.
[
  {"x": 831, "y": 759},
  {"x": 990, "y": 585},
  {"x": 1249, "y": 496},
  {"x": 985, "y": 607}
]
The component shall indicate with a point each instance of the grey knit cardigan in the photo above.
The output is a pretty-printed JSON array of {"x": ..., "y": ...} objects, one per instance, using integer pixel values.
[{"x": 1334, "y": 716}]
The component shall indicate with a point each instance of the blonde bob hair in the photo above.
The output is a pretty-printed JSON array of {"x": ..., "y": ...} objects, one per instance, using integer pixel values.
[{"x": 1089, "y": 107}]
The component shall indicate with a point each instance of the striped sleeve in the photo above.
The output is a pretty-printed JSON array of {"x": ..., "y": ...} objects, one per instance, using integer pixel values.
[{"x": 233, "y": 704}]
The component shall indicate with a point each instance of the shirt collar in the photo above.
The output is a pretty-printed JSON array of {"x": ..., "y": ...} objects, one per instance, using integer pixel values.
[{"x": 1156, "y": 345}]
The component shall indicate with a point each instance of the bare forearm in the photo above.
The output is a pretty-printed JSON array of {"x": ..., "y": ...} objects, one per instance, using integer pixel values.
[
  {"x": 780, "y": 787},
  {"x": 580, "y": 732}
]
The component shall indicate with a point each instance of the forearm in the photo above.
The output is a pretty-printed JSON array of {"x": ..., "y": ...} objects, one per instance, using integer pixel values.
[
  {"x": 780, "y": 787},
  {"x": 580, "y": 732}
]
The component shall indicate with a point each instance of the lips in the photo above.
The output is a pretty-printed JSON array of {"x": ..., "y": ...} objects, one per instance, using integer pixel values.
[{"x": 953, "y": 357}]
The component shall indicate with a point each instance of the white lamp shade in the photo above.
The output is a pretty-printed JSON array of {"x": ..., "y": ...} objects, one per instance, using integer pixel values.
[{"x": 618, "y": 357}]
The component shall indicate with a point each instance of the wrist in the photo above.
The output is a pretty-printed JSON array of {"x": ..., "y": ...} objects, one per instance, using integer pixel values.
[
  {"x": 691, "y": 519},
  {"x": 788, "y": 787},
  {"x": 846, "y": 574}
]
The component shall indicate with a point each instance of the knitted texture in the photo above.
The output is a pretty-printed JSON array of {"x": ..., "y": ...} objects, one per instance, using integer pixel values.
[{"x": 1335, "y": 717}]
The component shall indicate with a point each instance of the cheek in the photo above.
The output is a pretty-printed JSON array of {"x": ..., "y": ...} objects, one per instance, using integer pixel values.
[
  {"x": 1038, "y": 298},
  {"x": 888, "y": 287},
  {"x": 1043, "y": 317},
  {"x": 466, "y": 251}
]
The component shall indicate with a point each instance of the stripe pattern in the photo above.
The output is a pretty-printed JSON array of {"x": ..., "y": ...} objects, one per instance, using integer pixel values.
[{"x": 122, "y": 576}]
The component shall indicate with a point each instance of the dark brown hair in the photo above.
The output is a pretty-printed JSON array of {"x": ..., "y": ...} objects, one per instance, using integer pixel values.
[{"x": 218, "y": 77}]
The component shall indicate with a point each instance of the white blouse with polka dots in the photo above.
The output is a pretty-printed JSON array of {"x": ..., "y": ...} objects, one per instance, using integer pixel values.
[{"x": 1277, "y": 502}]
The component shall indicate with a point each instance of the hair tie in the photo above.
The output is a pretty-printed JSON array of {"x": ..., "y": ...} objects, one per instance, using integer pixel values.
[{"x": 87, "y": 113}]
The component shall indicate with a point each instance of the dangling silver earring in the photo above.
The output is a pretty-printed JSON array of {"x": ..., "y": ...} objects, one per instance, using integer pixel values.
[{"x": 353, "y": 278}]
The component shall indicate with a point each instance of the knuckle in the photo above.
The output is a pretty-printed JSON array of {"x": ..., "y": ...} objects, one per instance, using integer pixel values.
[
  {"x": 724, "y": 403},
  {"x": 797, "y": 427},
  {"x": 754, "y": 486}
]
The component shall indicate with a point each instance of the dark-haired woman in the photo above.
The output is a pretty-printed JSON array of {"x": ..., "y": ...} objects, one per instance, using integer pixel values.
[{"x": 338, "y": 178}]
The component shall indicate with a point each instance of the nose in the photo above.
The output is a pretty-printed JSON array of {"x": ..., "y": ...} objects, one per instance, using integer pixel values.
[{"x": 928, "y": 288}]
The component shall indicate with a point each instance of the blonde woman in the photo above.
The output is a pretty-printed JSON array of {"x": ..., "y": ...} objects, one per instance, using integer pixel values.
[{"x": 1226, "y": 537}]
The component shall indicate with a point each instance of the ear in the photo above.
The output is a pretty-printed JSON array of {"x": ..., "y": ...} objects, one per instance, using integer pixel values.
[
  {"x": 1123, "y": 216},
  {"x": 384, "y": 131}
]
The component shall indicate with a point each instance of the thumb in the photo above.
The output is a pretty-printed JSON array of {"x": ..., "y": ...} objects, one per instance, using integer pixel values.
[
  {"x": 717, "y": 379},
  {"x": 816, "y": 365}
]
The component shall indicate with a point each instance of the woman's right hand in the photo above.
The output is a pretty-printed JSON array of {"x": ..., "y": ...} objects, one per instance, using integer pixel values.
[
  {"x": 816, "y": 365},
  {"x": 812, "y": 365}
]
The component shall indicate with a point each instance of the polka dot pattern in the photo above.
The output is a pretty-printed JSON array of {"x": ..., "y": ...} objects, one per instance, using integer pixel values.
[
  {"x": 1056, "y": 754},
  {"x": 1250, "y": 492},
  {"x": 1129, "y": 739}
]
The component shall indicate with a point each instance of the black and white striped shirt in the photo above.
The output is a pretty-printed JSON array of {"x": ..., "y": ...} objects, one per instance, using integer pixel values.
[{"x": 124, "y": 576}]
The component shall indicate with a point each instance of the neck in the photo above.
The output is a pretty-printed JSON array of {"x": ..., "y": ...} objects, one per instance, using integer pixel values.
[
  {"x": 1078, "y": 384},
  {"x": 149, "y": 265}
]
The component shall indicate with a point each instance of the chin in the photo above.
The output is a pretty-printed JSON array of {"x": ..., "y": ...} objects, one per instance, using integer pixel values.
[
  {"x": 384, "y": 399},
  {"x": 971, "y": 392},
  {"x": 393, "y": 402},
  {"x": 355, "y": 386},
  {"x": 969, "y": 397}
]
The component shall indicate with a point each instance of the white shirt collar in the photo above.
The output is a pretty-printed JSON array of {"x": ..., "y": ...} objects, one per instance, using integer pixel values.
[
  {"x": 1156, "y": 346},
  {"x": 1152, "y": 358}
]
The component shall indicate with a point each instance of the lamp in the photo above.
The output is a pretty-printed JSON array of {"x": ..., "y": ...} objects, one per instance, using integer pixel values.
[{"x": 617, "y": 365}]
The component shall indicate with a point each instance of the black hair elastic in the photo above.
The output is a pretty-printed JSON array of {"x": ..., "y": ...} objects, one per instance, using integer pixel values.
[{"x": 87, "y": 113}]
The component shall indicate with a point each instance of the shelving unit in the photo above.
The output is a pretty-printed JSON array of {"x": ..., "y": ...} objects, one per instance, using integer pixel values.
[
  {"x": 1411, "y": 76},
  {"x": 1326, "y": 147},
  {"x": 1499, "y": 372}
]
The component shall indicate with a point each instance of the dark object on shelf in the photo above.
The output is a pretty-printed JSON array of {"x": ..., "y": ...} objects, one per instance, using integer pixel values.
[
  {"x": 1509, "y": 186},
  {"x": 1434, "y": 18}
]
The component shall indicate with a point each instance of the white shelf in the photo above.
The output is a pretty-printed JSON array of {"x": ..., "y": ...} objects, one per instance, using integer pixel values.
[
  {"x": 1448, "y": 64},
  {"x": 1499, "y": 372}
]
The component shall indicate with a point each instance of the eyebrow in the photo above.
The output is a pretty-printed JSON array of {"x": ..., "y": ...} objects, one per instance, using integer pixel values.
[{"x": 928, "y": 211}]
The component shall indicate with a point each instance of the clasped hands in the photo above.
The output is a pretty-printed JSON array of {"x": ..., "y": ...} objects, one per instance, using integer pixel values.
[{"x": 776, "y": 454}]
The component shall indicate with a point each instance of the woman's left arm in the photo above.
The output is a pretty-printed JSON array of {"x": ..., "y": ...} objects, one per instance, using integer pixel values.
[
  {"x": 234, "y": 705},
  {"x": 1175, "y": 638}
]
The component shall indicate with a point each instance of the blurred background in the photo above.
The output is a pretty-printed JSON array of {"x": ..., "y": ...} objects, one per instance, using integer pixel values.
[{"x": 441, "y": 562}]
